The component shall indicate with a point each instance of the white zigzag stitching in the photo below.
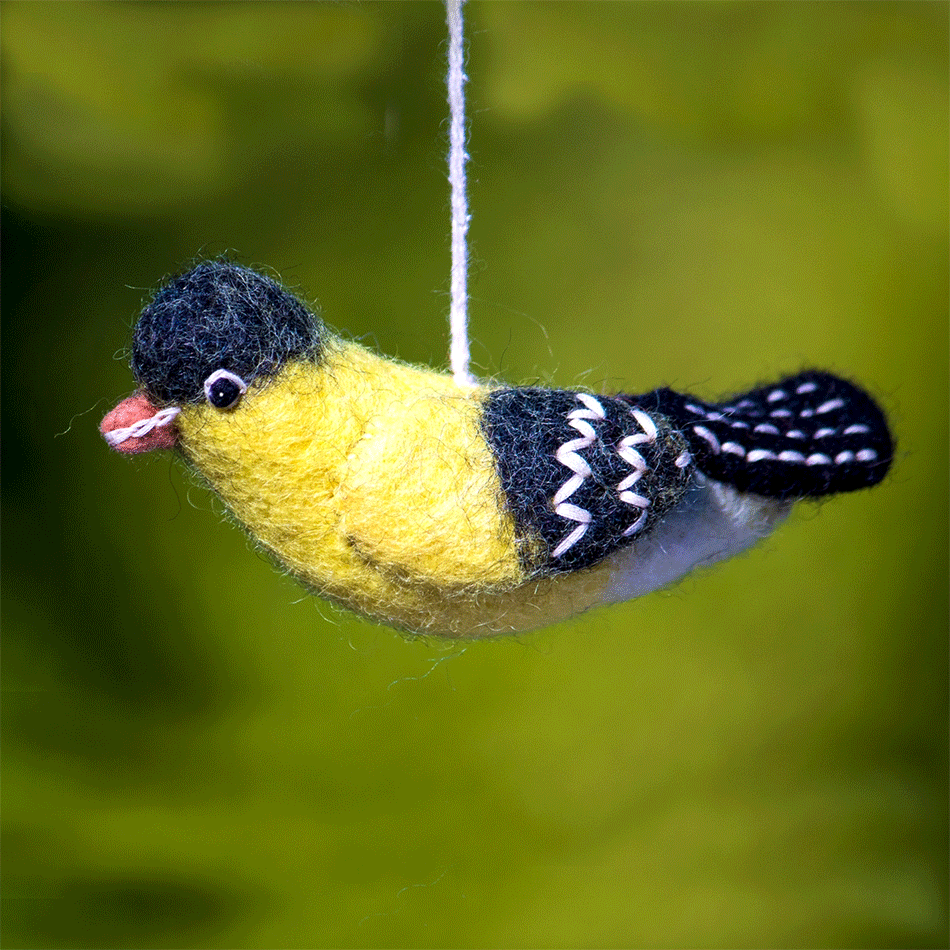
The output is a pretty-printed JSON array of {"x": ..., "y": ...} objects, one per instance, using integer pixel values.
[
  {"x": 567, "y": 456},
  {"x": 633, "y": 458}
]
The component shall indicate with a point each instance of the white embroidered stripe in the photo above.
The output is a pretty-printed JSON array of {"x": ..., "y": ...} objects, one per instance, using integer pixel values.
[
  {"x": 633, "y": 458},
  {"x": 777, "y": 395},
  {"x": 568, "y": 457},
  {"x": 142, "y": 427},
  {"x": 798, "y": 458},
  {"x": 704, "y": 433},
  {"x": 572, "y": 538}
]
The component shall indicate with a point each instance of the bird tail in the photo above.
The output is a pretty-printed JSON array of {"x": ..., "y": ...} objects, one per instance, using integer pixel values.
[{"x": 808, "y": 435}]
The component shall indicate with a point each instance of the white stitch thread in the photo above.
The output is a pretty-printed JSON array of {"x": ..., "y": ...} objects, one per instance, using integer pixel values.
[
  {"x": 766, "y": 427},
  {"x": 818, "y": 458},
  {"x": 695, "y": 409},
  {"x": 806, "y": 388},
  {"x": 633, "y": 458},
  {"x": 776, "y": 395},
  {"x": 568, "y": 457},
  {"x": 593, "y": 404},
  {"x": 829, "y": 406},
  {"x": 857, "y": 429},
  {"x": 683, "y": 459},
  {"x": 780, "y": 414},
  {"x": 795, "y": 434},
  {"x": 733, "y": 448},
  {"x": 824, "y": 433},
  {"x": 142, "y": 427},
  {"x": 704, "y": 433}
]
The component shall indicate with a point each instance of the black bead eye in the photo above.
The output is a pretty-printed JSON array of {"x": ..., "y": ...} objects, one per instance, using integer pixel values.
[{"x": 224, "y": 390}]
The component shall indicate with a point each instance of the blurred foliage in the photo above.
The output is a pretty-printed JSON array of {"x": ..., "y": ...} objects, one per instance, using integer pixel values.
[{"x": 694, "y": 194}]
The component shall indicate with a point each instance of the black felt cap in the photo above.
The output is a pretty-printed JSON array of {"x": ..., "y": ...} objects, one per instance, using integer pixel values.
[{"x": 219, "y": 315}]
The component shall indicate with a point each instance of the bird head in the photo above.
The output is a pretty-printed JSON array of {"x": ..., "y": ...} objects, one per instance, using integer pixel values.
[{"x": 206, "y": 338}]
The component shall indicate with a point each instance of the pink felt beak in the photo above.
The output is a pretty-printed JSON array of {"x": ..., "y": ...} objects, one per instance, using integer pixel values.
[{"x": 137, "y": 425}]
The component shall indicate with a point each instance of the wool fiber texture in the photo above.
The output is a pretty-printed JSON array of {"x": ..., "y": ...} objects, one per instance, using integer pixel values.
[
  {"x": 219, "y": 315},
  {"x": 463, "y": 510},
  {"x": 805, "y": 436},
  {"x": 527, "y": 426}
]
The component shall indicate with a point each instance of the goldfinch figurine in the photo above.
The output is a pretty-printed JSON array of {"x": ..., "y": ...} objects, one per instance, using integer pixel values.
[{"x": 465, "y": 512}]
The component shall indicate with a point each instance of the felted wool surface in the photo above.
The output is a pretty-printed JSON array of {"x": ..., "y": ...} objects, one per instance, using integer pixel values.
[
  {"x": 218, "y": 315},
  {"x": 371, "y": 481},
  {"x": 368, "y": 479},
  {"x": 465, "y": 511}
]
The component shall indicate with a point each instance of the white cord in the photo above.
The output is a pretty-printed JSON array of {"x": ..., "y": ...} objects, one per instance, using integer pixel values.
[{"x": 458, "y": 317}]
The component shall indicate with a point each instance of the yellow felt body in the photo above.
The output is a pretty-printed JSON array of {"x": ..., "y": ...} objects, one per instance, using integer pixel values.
[{"x": 372, "y": 482}]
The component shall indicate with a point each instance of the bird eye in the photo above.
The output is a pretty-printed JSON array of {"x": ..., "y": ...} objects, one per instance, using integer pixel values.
[{"x": 224, "y": 390}]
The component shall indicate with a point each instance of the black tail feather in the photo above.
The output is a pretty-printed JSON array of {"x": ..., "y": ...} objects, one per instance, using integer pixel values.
[{"x": 808, "y": 435}]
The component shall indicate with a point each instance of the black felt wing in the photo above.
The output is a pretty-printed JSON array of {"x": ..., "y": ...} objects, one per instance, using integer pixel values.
[{"x": 583, "y": 474}]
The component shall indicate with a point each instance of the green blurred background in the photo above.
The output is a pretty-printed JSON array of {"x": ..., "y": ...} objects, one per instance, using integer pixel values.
[{"x": 701, "y": 195}]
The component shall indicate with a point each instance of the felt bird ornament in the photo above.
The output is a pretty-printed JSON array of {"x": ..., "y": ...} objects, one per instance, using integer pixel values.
[{"x": 467, "y": 511}]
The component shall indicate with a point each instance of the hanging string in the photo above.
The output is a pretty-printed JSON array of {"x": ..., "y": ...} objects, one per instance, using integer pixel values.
[{"x": 458, "y": 315}]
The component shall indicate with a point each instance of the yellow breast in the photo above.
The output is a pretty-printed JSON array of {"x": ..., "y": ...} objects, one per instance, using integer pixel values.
[{"x": 371, "y": 482}]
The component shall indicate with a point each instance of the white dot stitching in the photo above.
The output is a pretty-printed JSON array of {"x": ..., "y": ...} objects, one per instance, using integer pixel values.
[{"x": 704, "y": 433}]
